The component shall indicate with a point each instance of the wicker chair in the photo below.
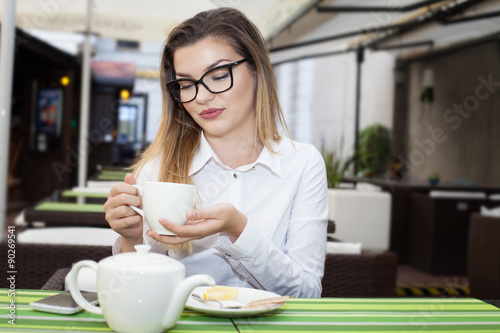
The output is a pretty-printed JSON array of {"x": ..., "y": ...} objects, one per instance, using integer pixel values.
[
  {"x": 36, "y": 263},
  {"x": 57, "y": 280},
  {"x": 60, "y": 219},
  {"x": 365, "y": 275},
  {"x": 369, "y": 274},
  {"x": 484, "y": 257}
]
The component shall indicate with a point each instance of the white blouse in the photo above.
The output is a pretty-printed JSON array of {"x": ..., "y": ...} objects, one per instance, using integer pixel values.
[{"x": 284, "y": 196}]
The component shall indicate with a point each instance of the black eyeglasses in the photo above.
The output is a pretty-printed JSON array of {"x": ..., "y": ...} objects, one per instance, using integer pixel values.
[{"x": 216, "y": 80}]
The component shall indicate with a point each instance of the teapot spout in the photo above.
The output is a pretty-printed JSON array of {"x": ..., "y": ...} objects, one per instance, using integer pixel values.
[{"x": 180, "y": 297}]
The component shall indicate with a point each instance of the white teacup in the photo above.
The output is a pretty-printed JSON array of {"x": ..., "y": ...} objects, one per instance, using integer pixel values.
[{"x": 170, "y": 201}]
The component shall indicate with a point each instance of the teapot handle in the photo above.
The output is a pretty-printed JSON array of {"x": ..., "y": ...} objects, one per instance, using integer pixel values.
[{"x": 75, "y": 291}]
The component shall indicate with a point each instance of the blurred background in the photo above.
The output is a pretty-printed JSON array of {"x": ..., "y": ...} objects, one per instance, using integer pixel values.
[{"x": 400, "y": 96}]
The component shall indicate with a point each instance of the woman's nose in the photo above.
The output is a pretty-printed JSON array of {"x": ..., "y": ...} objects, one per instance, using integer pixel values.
[{"x": 203, "y": 94}]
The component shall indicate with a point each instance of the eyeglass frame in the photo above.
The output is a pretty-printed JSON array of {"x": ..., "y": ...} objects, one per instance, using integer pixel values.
[{"x": 200, "y": 81}]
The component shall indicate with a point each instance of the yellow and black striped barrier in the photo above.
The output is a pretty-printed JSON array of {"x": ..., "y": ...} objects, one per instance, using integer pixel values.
[{"x": 432, "y": 290}]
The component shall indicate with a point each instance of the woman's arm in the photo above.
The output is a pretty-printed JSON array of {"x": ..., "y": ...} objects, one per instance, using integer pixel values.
[{"x": 297, "y": 269}]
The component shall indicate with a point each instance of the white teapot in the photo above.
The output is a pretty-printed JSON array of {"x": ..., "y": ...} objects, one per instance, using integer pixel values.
[{"x": 138, "y": 291}]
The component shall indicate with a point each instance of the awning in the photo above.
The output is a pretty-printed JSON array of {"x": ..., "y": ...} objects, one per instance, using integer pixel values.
[{"x": 144, "y": 20}]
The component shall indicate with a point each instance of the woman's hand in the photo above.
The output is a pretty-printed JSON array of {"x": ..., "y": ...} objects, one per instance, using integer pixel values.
[
  {"x": 121, "y": 218},
  {"x": 223, "y": 218}
]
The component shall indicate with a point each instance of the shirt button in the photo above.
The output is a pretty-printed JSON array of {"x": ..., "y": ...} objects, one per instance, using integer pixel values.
[{"x": 235, "y": 175}]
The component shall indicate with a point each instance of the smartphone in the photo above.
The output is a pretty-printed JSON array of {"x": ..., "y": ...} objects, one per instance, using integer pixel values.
[{"x": 63, "y": 303}]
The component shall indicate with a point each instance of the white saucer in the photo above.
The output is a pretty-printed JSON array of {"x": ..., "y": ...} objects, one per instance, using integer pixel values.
[{"x": 245, "y": 296}]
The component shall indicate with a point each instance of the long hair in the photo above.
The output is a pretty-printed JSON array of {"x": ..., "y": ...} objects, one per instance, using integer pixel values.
[{"x": 178, "y": 134}]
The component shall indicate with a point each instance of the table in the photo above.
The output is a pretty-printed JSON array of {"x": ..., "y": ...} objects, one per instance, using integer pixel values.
[
  {"x": 297, "y": 315},
  {"x": 401, "y": 192},
  {"x": 69, "y": 208}
]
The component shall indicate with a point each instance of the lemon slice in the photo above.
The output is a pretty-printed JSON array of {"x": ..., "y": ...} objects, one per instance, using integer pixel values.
[{"x": 220, "y": 293}]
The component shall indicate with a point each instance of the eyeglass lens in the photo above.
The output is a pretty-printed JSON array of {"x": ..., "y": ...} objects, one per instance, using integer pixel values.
[{"x": 216, "y": 81}]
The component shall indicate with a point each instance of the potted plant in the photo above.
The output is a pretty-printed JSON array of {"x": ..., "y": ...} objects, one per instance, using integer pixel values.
[
  {"x": 336, "y": 167},
  {"x": 374, "y": 150},
  {"x": 433, "y": 178}
]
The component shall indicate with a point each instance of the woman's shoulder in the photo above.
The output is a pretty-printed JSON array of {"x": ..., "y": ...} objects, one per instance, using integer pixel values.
[
  {"x": 289, "y": 147},
  {"x": 149, "y": 171},
  {"x": 299, "y": 153}
]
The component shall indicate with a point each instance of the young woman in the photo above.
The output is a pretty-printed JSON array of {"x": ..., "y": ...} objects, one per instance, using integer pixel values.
[{"x": 262, "y": 217}]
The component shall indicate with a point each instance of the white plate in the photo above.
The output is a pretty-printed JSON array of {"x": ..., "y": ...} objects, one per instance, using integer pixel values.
[{"x": 245, "y": 296}]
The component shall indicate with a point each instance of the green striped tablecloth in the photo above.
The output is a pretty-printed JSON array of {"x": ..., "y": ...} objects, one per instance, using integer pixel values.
[
  {"x": 72, "y": 194},
  {"x": 28, "y": 320},
  {"x": 377, "y": 315},
  {"x": 115, "y": 172},
  {"x": 111, "y": 177},
  {"x": 297, "y": 315},
  {"x": 70, "y": 207}
]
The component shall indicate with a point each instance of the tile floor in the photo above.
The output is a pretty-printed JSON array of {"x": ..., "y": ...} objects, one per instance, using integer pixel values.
[{"x": 411, "y": 276}]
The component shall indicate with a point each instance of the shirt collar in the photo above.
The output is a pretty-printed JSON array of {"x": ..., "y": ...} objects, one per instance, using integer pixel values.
[
  {"x": 205, "y": 153},
  {"x": 269, "y": 160}
]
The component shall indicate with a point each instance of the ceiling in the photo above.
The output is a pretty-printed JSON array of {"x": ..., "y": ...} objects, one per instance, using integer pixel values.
[
  {"x": 408, "y": 33},
  {"x": 144, "y": 20}
]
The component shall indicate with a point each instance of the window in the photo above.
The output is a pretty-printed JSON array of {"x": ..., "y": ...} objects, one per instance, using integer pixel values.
[{"x": 127, "y": 45}]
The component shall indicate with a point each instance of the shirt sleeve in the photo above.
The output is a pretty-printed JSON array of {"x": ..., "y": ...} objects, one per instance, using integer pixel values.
[{"x": 298, "y": 268}]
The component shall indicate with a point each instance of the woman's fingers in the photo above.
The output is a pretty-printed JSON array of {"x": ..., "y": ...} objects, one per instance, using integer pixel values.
[
  {"x": 119, "y": 215},
  {"x": 206, "y": 213},
  {"x": 184, "y": 233},
  {"x": 129, "y": 222},
  {"x": 192, "y": 230},
  {"x": 130, "y": 179},
  {"x": 221, "y": 218},
  {"x": 123, "y": 188},
  {"x": 120, "y": 212},
  {"x": 122, "y": 199},
  {"x": 166, "y": 239}
]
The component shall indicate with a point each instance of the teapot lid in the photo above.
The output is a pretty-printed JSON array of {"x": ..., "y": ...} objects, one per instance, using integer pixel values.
[{"x": 142, "y": 258}]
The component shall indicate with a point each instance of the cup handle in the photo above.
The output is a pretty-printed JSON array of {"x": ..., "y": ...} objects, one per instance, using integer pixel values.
[
  {"x": 137, "y": 209},
  {"x": 75, "y": 291}
]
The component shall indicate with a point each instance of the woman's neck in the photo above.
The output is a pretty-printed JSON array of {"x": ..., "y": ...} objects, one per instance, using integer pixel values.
[{"x": 236, "y": 152}]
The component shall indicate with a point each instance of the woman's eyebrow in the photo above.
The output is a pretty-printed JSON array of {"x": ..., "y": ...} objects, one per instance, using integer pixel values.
[{"x": 213, "y": 65}]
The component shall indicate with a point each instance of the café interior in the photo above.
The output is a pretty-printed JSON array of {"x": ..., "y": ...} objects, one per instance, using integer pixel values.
[{"x": 401, "y": 98}]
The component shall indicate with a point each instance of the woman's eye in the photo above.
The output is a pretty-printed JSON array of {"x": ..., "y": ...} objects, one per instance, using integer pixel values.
[
  {"x": 184, "y": 86},
  {"x": 221, "y": 77}
]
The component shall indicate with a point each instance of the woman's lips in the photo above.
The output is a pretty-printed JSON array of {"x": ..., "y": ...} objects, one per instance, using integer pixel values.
[{"x": 211, "y": 113}]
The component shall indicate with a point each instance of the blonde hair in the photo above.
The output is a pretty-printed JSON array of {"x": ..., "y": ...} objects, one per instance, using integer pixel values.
[{"x": 179, "y": 135}]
